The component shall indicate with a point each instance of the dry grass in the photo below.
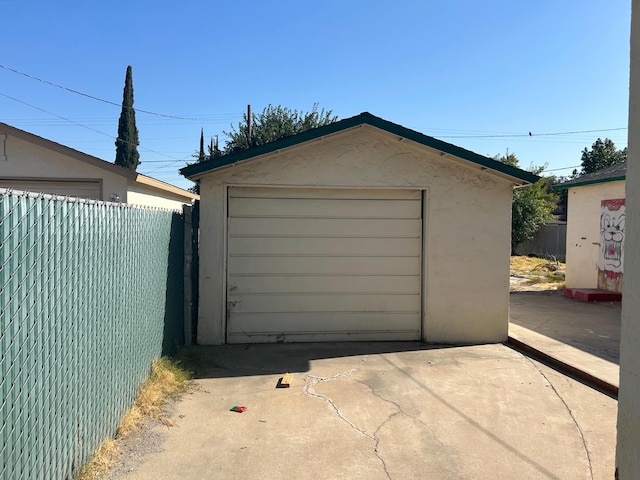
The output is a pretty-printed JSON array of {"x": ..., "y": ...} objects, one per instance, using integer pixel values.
[
  {"x": 539, "y": 271},
  {"x": 167, "y": 380},
  {"x": 523, "y": 265},
  {"x": 103, "y": 458}
]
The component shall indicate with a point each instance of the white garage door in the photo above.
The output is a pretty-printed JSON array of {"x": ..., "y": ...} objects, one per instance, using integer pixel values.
[
  {"x": 323, "y": 265},
  {"x": 69, "y": 188}
]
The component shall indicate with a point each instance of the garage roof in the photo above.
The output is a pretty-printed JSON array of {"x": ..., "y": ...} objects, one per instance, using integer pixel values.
[
  {"x": 198, "y": 169},
  {"x": 612, "y": 173}
]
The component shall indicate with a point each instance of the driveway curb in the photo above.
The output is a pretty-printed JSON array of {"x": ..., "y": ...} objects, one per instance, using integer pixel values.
[{"x": 553, "y": 362}]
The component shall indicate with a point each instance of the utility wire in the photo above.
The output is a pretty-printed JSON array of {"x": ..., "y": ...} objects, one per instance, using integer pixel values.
[
  {"x": 62, "y": 87},
  {"x": 85, "y": 126},
  {"x": 533, "y": 134}
]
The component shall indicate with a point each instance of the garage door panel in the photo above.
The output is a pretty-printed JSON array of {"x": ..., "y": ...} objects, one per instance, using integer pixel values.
[
  {"x": 322, "y": 193},
  {"x": 311, "y": 265},
  {"x": 318, "y": 208},
  {"x": 294, "y": 284},
  {"x": 324, "y": 303},
  {"x": 325, "y": 336},
  {"x": 293, "y": 324},
  {"x": 324, "y": 227},
  {"x": 324, "y": 265},
  {"x": 265, "y": 246}
]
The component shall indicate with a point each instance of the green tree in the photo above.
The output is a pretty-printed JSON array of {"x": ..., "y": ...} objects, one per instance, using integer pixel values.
[
  {"x": 127, "y": 155},
  {"x": 532, "y": 206},
  {"x": 603, "y": 154},
  {"x": 201, "y": 155},
  {"x": 214, "y": 151},
  {"x": 273, "y": 124}
]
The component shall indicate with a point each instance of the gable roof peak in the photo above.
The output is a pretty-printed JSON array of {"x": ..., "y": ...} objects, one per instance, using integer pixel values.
[{"x": 520, "y": 176}]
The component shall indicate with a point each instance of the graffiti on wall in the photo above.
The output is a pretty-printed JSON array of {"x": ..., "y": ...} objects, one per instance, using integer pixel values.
[{"x": 611, "y": 257}]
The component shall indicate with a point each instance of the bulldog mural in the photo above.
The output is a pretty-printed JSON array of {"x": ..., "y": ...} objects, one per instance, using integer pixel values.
[{"x": 610, "y": 259}]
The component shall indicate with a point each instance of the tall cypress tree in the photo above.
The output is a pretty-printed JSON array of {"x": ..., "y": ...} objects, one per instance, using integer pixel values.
[
  {"x": 201, "y": 156},
  {"x": 127, "y": 155}
]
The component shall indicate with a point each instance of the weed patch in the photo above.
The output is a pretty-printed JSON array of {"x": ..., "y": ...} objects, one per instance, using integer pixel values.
[
  {"x": 538, "y": 271},
  {"x": 168, "y": 380}
]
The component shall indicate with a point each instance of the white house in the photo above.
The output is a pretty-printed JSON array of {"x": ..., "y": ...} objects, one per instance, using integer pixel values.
[
  {"x": 358, "y": 230},
  {"x": 32, "y": 163},
  {"x": 596, "y": 214}
]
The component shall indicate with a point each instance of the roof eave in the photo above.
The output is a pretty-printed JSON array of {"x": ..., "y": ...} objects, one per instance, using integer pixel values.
[
  {"x": 516, "y": 175},
  {"x": 566, "y": 186}
]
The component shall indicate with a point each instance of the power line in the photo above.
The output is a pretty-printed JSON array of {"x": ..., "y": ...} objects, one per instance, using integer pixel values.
[
  {"x": 62, "y": 87},
  {"x": 529, "y": 134},
  {"x": 563, "y": 168},
  {"x": 85, "y": 126}
]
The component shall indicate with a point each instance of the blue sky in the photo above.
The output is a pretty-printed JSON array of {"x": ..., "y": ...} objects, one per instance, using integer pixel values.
[{"x": 466, "y": 72}]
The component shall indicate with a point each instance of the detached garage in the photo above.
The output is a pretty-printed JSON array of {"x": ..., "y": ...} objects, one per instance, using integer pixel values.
[{"x": 359, "y": 230}]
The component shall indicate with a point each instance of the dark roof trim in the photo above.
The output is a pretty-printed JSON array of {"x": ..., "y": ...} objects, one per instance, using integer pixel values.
[
  {"x": 197, "y": 169},
  {"x": 566, "y": 186}
]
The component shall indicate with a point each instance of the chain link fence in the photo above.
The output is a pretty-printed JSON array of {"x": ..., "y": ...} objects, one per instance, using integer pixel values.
[{"x": 90, "y": 294}]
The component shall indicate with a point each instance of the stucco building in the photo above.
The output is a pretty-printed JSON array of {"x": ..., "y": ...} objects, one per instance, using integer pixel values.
[
  {"x": 35, "y": 164},
  {"x": 358, "y": 230},
  {"x": 596, "y": 214}
]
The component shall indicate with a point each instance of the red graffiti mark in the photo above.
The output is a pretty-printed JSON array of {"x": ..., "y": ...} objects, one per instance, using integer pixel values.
[
  {"x": 612, "y": 275},
  {"x": 613, "y": 205}
]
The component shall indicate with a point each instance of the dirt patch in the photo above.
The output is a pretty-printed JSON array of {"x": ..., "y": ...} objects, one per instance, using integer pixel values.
[
  {"x": 147, "y": 438},
  {"x": 523, "y": 284},
  {"x": 532, "y": 274}
]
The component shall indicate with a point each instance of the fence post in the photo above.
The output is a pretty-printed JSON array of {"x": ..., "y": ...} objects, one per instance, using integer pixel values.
[{"x": 188, "y": 265}]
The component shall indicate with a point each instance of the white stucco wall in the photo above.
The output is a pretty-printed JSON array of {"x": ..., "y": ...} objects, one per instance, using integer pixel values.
[
  {"x": 142, "y": 195},
  {"x": 26, "y": 159},
  {"x": 628, "y": 454},
  {"x": 467, "y": 226},
  {"x": 584, "y": 208}
]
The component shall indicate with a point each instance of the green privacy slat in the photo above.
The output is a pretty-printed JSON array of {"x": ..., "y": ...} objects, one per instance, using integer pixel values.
[{"x": 87, "y": 294}]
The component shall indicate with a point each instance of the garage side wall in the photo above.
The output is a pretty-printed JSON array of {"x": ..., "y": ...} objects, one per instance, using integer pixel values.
[
  {"x": 467, "y": 215},
  {"x": 27, "y": 160},
  {"x": 583, "y": 231}
]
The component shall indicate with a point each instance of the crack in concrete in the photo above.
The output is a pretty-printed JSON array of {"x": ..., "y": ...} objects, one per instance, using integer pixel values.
[
  {"x": 575, "y": 421},
  {"x": 309, "y": 390},
  {"x": 400, "y": 411}
]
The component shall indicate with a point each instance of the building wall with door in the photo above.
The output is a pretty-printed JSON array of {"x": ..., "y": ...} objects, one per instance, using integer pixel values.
[
  {"x": 584, "y": 241},
  {"x": 465, "y": 211}
]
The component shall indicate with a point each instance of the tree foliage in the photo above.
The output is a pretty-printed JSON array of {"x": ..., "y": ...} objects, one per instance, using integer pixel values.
[
  {"x": 603, "y": 154},
  {"x": 532, "y": 206},
  {"x": 201, "y": 154},
  {"x": 274, "y": 123},
  {"x": 127, "y": 155},
  {"x": 213, "y": 153}
]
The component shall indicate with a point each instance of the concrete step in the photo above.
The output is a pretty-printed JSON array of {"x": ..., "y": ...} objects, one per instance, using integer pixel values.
[{"x": 592, "y": 295}]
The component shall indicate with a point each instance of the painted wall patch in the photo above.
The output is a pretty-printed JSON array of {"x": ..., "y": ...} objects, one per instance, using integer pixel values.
[{"x": 611, "y": 256}]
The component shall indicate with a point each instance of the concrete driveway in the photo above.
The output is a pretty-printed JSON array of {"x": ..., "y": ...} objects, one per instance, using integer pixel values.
[
  {"x": 379, "y": 411},
  {"x": 583, "y": 335}
]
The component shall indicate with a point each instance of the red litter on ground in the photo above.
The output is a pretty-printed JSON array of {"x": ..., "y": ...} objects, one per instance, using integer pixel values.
[{"x": 238, "y": 409}]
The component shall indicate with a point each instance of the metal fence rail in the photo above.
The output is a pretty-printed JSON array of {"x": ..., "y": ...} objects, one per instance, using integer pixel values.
[{"x": 90, "y": 294}]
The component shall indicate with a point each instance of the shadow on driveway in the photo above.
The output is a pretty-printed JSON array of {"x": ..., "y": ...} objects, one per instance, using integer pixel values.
[
  {"x": 263, "y": 359},
  {"x": 593, "y": 328}
]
